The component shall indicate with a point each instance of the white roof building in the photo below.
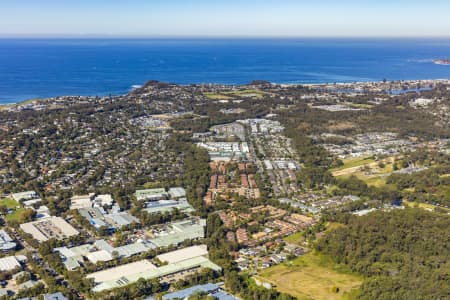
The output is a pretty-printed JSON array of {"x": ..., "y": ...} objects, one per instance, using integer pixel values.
[
  {"x": 122, "y": 271},
  {"x": 99, "y": 251},
  {"x": 101, "y": 255},
  {"x": 28, "y": 195},
  {"x": 47, "y": 228},
  {"x": 183, "y": 254},
  {"x": 151, "y": 194},
  {"x": 55, "y": 296},
  {"x": 10, "y": 263},
  {"x": 30, "y": 203},
  {"x": 83, "y": 201},
  {"x": 177, "y": 192},
  {"x": 6, "y": 242},
  {"x": 127, "y": 274},
  {"x": 103, "y": 200}
]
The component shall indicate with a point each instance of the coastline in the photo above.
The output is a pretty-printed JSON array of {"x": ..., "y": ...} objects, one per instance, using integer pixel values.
[{"x": 4, "y": 106}]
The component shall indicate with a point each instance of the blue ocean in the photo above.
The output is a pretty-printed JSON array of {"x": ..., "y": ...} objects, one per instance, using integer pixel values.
[{"x": 39, "y": 68}]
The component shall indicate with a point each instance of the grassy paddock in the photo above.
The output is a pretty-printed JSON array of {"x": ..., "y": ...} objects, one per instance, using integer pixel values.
[
  {"x": 9, "y": 203},
  {"x": 217, "y": 96},
  {"x": 312, "y": 276},
  {"x": 295, "y": 238},
  {"x": 354, "y": 162},
  {"x": 228, "y": 95},
  {"x": 256, "y": 93},
  {"x": 15, "y": 216},
  {"x": 376, "y": 177},
  {"x": 425, "y": 206}
]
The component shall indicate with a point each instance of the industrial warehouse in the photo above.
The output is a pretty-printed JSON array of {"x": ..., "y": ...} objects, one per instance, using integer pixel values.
[{"x": 180, "y": 263}]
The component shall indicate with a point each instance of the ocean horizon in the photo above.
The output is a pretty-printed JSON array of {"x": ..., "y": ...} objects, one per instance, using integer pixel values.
[{"x": 43, "y": 68}]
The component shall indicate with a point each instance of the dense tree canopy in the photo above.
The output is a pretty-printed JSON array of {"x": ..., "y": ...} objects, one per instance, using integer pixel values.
[{"x": 405, "y": 254}]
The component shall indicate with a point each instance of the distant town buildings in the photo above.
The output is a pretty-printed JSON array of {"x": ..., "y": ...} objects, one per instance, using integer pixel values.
[
  {"x": 263, "y": 126},
  {"x": 225, "y": 151}
]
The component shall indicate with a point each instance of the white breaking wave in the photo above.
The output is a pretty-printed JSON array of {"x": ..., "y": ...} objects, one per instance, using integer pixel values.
[{"x": 423, "y": 61}]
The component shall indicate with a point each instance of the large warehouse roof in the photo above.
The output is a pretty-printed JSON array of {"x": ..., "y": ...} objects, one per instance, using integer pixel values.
[
  {"x": 179, "y": 260},
  {"x": 183, "y": 254},
  {"x": 8, "y": 263},
  {"x": 114, "y": 278},
  {"x": 46, "y": 228}
]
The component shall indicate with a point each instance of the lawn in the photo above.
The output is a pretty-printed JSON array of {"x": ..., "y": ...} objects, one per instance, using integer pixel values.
[
  {"x": 217, "y": 96},
  {"x": 15, "y": 215},
  {"x": 9, "y": 203},
  {"x": 425, "y": 206},
  {"x": 12, "y": 204},
  {"x": 366, "y": 169},
  {"x": 418, "y": 204},
  {"x": 30, "y": 101},
  {"x": 375, "y": 181},
  {"x": 354, "y": 162},
  {"x": 360, "y": 105},
  {"x": 152, "y": 185},
  {"x": 249, "y": 92},
  {"x": 227, "y": 95},
  {"x": 312, "y": 276},
  {"x": 295, "y": 238}
]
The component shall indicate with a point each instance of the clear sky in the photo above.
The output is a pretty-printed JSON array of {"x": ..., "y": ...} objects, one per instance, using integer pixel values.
[{"x": 257, "y": 18}]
